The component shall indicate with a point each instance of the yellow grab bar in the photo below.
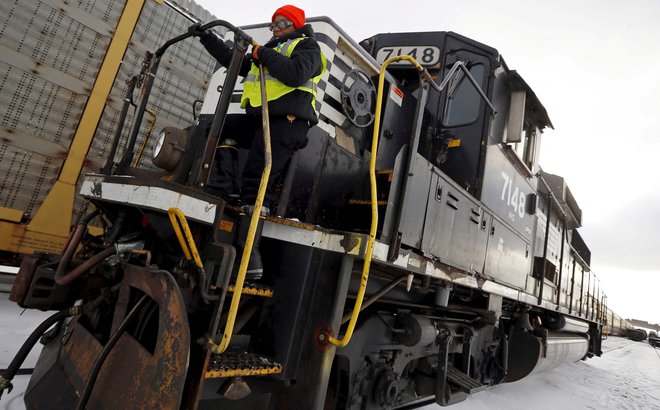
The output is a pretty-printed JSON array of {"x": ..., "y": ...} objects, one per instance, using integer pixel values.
[
  {"x": 254, "y": 221},
  {"x": 374, "y": 204},
  {"x": 178, "y": 220}
]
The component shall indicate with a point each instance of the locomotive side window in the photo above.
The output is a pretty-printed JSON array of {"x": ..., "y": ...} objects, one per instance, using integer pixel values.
[
  {"x": 526, "y": 148},
  {"x": 463, "y": 100},
  {"x": 522, "y": 134}
]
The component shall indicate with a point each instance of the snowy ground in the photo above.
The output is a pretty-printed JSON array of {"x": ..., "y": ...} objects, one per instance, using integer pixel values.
[
  {"x": 16, "y": 324},
  {"x": 627, "y": 376}
]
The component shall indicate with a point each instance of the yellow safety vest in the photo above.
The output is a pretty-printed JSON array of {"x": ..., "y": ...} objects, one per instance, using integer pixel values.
[{"x": 274, "y": 87}]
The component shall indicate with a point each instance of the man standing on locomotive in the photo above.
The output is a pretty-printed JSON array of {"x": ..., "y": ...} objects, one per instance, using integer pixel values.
[{"x": 294, "y": 65}]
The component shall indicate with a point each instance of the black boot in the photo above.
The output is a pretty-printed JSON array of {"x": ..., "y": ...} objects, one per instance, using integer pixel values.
[
  {"x": 255, "y": 269},
  {"x": 223, "y": 178}
]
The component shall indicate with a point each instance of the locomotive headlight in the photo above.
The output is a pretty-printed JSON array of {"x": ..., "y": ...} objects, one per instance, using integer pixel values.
[
  {"x": 169, "y": 148},
  {"x": 159, "y": 143}
]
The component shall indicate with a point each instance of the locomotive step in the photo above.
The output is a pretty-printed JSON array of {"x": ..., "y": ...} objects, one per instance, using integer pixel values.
[
  {"x": 253, "y": 289},
  {"x": 464, "y": 382},
  {"x": 385, "y": 173},
  {"x": 241, "y": 364},
  {"x": 366, "y": 202},
  {"x": 383, "y": 182}
]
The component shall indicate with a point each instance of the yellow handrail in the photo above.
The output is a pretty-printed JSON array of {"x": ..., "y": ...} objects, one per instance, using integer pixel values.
[
  {"x": 374, "y": 204},
  {"x": 178, "y": 220},
  {"x": 254, "y": 221}
]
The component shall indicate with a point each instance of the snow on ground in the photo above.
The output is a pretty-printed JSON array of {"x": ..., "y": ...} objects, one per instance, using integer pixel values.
[
  {"x": 16, "y": 325},
  {"x": 627, "y": 376}
]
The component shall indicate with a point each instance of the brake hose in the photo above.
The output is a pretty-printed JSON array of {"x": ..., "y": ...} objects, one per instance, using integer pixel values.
[{"x": 96, "y": 368}]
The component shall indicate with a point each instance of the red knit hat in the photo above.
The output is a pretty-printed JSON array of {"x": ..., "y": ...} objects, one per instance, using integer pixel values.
[{"x": 292, "y": 13}]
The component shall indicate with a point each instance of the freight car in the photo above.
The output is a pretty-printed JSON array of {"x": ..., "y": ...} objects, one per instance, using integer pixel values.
[
  {"x": 65, "y": 72},
  {"x": 615, "y": 325},
  {"x": 637, "y": 335},
  {"x": 417, "y": 253}
]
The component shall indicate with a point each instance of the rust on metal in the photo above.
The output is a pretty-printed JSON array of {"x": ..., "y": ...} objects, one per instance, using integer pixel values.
[
  {"x": 23, "y": 280},
  {"x": 321, "y": 338},
  {"x": 254, "y": 290},
  {"x": 131, "y": 372},
  {"x": 289, "y": 222},
  {"x": 236, "y": 365}
]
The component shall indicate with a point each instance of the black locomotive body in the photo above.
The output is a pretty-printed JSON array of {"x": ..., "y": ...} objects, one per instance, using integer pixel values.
[{"x": 477, "y": 275}]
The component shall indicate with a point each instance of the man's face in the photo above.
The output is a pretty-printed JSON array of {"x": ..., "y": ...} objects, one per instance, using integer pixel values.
[{"x": 281, "y": 26}]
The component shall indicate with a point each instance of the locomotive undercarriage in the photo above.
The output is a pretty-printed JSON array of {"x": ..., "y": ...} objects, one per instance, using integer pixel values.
[{"x": 420, "y": 338}]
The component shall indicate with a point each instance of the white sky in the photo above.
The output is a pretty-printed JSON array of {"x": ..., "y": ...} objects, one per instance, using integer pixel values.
[{"x": 595, "y": 65}]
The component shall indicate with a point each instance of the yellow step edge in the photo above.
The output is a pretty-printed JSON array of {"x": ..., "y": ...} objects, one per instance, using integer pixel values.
[
  {"x": 214, "y": 374},
  {"x": 252, "y": 290},
  {"x": 365, "y": 202}
]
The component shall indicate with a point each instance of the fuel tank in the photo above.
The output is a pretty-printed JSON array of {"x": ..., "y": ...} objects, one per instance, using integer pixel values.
[{"x": 530, "y": 353}]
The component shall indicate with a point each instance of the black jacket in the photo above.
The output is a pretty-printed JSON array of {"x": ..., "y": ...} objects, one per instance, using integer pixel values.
[{"x": 303, "y": 64}]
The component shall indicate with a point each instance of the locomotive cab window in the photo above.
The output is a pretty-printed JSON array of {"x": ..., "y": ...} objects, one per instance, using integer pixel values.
[
  {"x": 463, "y": 100},
  {"x": 522, "y": 134},
  {"x": 526, "y": 148}
]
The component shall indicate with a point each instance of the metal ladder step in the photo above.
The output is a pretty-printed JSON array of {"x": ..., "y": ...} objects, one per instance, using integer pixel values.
[
  {"x": 253, "y": 289},
  {"x": 366, "y": 202},
  {"x": 241, "y": 364},
  {"x": 383, "y": 181},
  {"x": 465, "y": 382}
]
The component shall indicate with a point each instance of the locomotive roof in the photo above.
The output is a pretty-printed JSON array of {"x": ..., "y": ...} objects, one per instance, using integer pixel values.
[{"x": 538, "y": 111}]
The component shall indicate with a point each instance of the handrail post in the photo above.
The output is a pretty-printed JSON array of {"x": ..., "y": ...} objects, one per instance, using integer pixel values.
[{"x": 254, "y": 221}]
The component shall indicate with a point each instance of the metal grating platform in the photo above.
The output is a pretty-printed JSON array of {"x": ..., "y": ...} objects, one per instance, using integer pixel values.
[
  {"x": 253, "y": 290},
  {"x": 236, "y": 364}
]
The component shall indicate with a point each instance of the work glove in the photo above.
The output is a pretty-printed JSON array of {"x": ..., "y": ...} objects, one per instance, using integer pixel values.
[
  {"x": 255, "y": 52},
  {"x": 195, "y": 30}
]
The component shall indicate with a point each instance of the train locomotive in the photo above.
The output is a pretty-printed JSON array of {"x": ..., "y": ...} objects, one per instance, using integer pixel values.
[{"x": 417, "y": 252}]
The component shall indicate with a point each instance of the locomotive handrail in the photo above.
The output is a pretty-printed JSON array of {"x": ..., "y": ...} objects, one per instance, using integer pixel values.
[
  {"x": 204, "y": 155},
  {"x": 457, "y": 65},
  {"x": 461, "y": 65},
  {"x": 179, "y": 222},
  {"x": 254, "y": 221},
  {"x": 374, "y": 200},
  {"x": 127, "y": 158},
  {"x": 128, "y": 101},
  {"x": 203, "y": 27},
  {"x": 150, "y": 129}
]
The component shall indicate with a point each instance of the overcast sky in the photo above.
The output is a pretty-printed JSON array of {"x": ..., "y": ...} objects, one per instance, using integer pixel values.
[{"x": 595, "y": 65}]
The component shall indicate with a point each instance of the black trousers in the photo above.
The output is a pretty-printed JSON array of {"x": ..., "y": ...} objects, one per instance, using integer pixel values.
[{"x": 286, "y": 137}]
